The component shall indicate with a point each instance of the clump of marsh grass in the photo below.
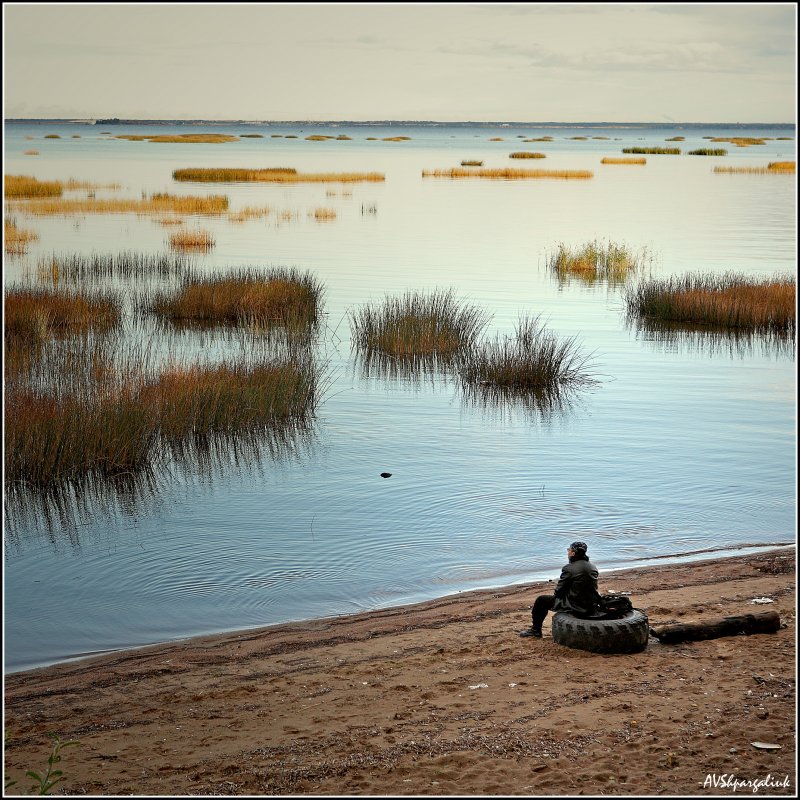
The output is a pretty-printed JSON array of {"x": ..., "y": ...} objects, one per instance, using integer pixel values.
[
  {"x": 596, "y": 261},
  {"x": 230, "y": 174},
  {"x": 169, "y": 220},
  {"x": 676, "y": 139},
  {"x": 278, "y": 297},
  {"x": 75, "y": 184},
  {"x": 539, "y": 139},
  {"x": 416, "y": 326},
  {"x": 24, "y": 186},
  {"x": 729, "y": 301},
  {"x": 740, "y": 141},
  {"x": 252, "y": 136},
  {"x": 249, "y": 212},
  {"x": 125, "y": 265},
  {"x": 15, "y": 240},
  {"x": 182, "y": 138},
  {"x": 32, "y": 316},
  {"x": 497, "y": 139},
  {"x": 31, "y": 153},
  {"x": 773, "y": 168},
  {"x": 230, "y": 398},
  {"x": 666, "y": 151},
  {"x": 533, "y": 363},
  {"x": 579, "y": 138},
  {"x": 623, "y": 161},
  {"x": 159, "y": 203},
  {"x": 52, "y": 136},
  {"x": 51, "y": 439},
  {"x": 708, "y": 151},
  {"x": 318, "y": 137},
  {"x": 343, "y": 137},
  {"x": 272, "y": 175},
  {"x": 472, "y": 163},
  {"x": 396, "y": 139},
  {"x": 507, "y": 174},
  {"x": 324, "y": 214},
  {"x": 526, "y": 154},
  {"x": 192, "y": 241}
]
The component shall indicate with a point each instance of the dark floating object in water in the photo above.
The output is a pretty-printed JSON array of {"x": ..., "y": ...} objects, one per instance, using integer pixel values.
[{"x": 386, "y": 474}]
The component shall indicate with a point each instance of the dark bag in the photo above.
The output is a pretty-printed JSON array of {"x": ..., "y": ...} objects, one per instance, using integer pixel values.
[{"x": 615, "y": 606}]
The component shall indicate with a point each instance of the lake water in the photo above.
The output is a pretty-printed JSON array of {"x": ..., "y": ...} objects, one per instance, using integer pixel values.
[{"x": 686, "y": 443}]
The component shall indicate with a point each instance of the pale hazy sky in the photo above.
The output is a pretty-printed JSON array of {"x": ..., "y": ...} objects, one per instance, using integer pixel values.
[{"x": 529, "y": 62}]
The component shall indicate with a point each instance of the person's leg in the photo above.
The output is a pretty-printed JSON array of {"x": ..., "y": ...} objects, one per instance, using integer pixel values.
[{"x": 541, "y": 606}]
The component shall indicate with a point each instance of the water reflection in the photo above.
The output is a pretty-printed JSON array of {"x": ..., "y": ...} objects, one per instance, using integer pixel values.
[
  {"x": 733, "y": 343},
  {"x": 502, "y": 403},
  {"x": 62, "y": 510},
  {"x": 410, "y": 368}
]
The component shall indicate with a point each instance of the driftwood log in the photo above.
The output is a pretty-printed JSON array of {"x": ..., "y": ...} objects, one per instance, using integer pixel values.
[{"x": 762, "y": 622}]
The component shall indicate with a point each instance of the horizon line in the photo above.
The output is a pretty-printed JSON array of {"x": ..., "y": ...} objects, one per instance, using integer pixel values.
[{"x": 609, "y": 123}]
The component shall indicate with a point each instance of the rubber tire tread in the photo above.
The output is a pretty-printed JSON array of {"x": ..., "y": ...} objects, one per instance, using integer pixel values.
[{"x": 629, "y": 634}]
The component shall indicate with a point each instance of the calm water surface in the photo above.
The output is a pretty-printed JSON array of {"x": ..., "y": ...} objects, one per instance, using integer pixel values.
[{"x": 686, "y": 443}]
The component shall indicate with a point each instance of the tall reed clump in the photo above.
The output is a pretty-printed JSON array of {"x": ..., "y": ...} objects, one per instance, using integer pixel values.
[
  {"x": 526, "y": 154},
  {"x": 534, "y": 361},
  {"x": 271, "y": 175},
  {"x": 708, "y": 151},
  {"x": 472, "y": 163},
  {"x": 417, "y": 325},
  {"x": 34, "y": 315},
  {"x": 640, "y": 161},
  {"x": 740, "y": 141},
  {"x": 278, "y": 297},
  {"x": 773, "y": 168},
  {"x": 51, "y": 439},
  {"x": 16, "y": 239},
  {"x": 24, "y": 186},
  {"x": 230, "y": 398},
  {"x": 732, "y": 301},
  {"x": 124, "y": 265},
  {"x": 159, "y": 203},
  {"x": 191, "y": 241},
  {"x": 183, "y": 138},
  {"x": 596, "y": 261},
  {"x": 508, "y": 174},
  {"x": 666, "y": 151},
  {"x": 782, "y": 166}
]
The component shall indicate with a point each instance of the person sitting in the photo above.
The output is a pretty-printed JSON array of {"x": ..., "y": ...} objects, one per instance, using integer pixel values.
[{"x": 576, "y": 591}]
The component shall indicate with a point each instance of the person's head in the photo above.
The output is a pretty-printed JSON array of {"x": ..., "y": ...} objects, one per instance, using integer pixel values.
[{"x": 577, "y": 550}]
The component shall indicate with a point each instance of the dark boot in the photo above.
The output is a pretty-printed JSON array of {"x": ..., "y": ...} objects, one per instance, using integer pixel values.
[{"x": 536, "y": 633}]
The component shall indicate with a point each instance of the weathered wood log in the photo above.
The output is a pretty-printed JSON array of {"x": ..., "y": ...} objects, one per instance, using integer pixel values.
[{"x": 763, "y": 622}]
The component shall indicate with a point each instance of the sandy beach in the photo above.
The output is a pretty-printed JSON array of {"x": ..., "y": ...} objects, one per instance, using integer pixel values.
[{"x": 437, "y": 698}]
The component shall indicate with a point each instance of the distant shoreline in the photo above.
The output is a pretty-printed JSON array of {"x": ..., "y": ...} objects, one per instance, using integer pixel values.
[{"x": 388, "y": 122}]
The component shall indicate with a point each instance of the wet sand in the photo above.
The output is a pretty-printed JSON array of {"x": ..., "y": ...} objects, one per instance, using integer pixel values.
[{"x": 437, "y": 698}]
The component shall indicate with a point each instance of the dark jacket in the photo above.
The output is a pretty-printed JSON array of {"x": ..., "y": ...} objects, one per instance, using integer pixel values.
[{"x": 576, "y": 590}]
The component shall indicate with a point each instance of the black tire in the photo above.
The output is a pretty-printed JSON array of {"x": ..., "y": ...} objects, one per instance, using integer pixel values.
[{"x": 628, "y": 634}]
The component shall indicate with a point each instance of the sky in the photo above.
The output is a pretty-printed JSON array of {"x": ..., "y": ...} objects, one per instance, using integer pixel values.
[{"x": 530, "y": 62}]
